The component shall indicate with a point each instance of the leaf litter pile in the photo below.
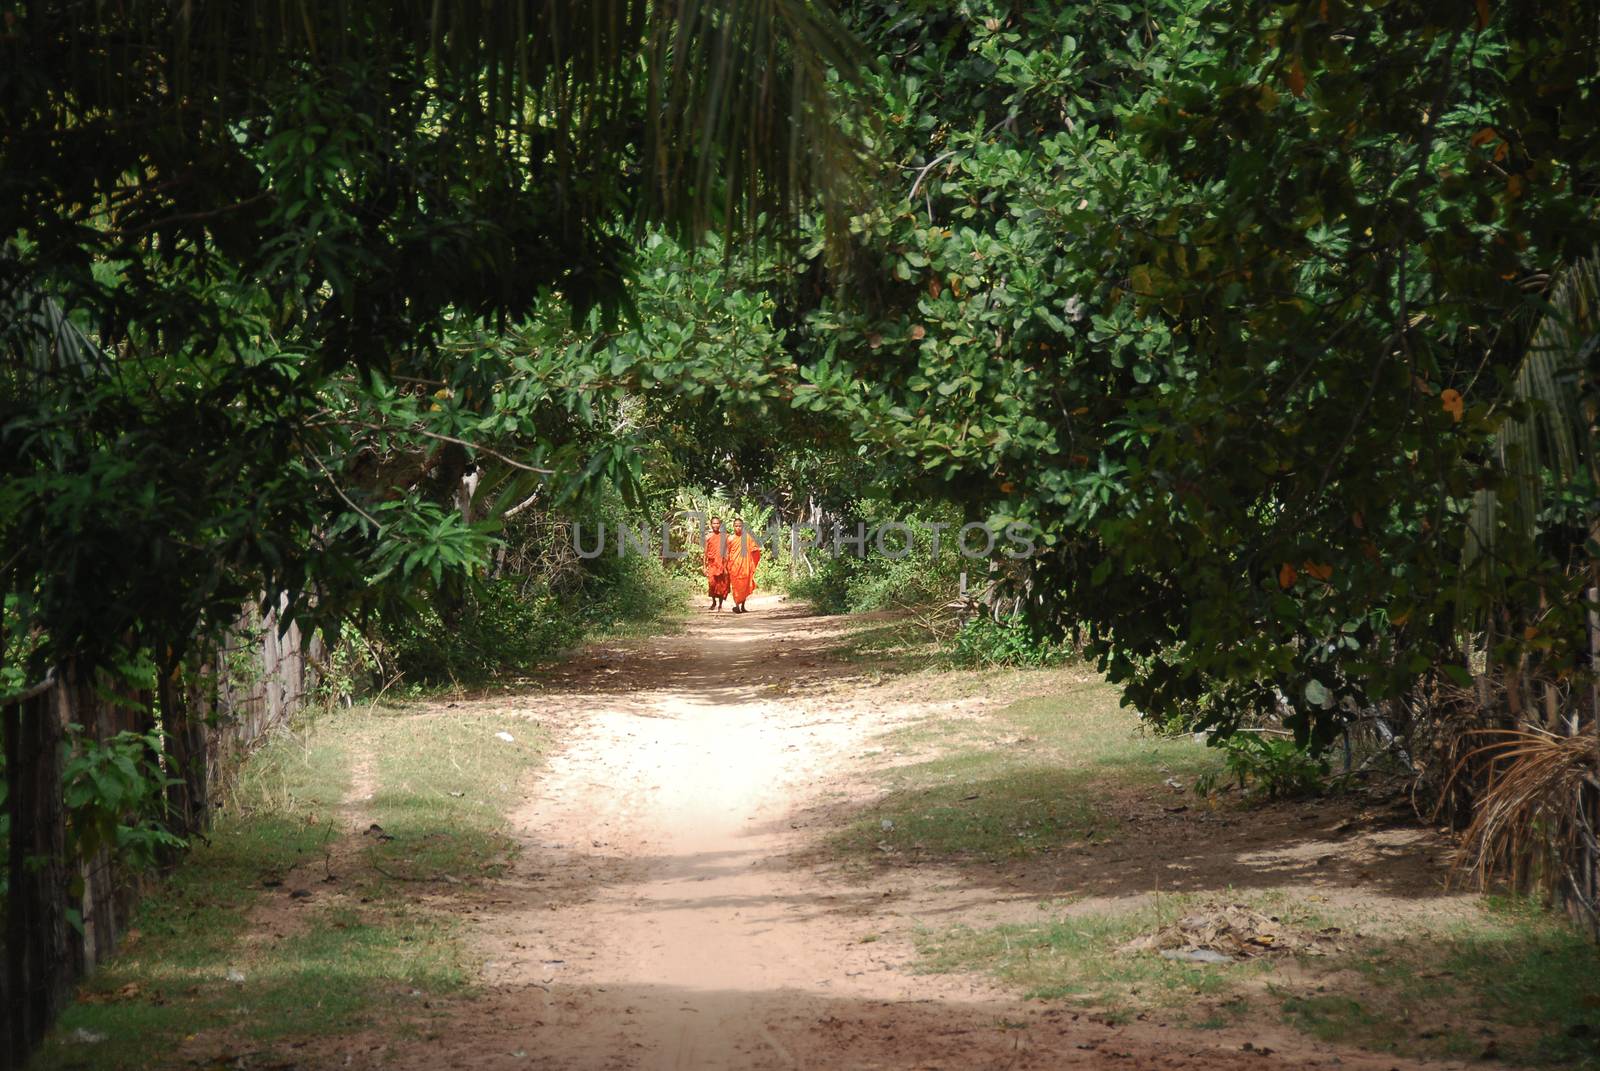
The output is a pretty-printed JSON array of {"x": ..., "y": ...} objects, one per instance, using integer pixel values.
[{"x": 1224, "y": 934}]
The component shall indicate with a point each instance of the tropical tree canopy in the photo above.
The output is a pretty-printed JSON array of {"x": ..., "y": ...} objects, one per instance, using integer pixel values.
[
  {"x": 1275, "y": 324},
  {"x": 238, "y": 237}
]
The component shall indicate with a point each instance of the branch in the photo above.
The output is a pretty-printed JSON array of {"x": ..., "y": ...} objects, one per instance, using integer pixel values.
[
  {"x": 520, "y": 506},
  {"x": 317, "y": 461},
  {"x": 36, "y": 690},
  {"x": 462, "y": 442},
  {"x": 935, "y": 162}
]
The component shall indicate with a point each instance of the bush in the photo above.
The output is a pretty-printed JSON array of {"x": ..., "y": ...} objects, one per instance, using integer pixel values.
[
  {"x": 632, "y": 591},
  {"x": 841, "y": 583},
  {"x": 1269, "y": 765},
  {"x": 772, "y": 574},
  {"x": 915, "y": 580},
  {"x": 1008, "y": 642},
  {"x": 512, "y": 623},
  {"x": 828, "y": 586},
  {"x": 544, "y": 599},
  {"x": 505, "y": 625},
  {"x": 115, "y": 794}
]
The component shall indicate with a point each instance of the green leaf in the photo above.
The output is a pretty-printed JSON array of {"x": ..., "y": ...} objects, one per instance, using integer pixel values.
[{"x": 1318, "y": 695}]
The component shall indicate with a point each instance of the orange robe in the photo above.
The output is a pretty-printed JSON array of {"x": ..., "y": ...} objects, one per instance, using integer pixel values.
[
  {"x": 716, "y": 568},
  {"x": 744, "y": 554}
]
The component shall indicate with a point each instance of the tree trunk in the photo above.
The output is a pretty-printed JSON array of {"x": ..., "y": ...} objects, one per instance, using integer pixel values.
[
  {"x": 104, "y": 712},
  {"x": 38, "y": 975},
  {"x": 183, "y": 708}
]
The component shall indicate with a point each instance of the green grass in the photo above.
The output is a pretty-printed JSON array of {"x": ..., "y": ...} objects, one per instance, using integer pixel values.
[
  {"x": 1500, "y": 972},
  {"x": 361, "y": 950},
  {"x": 1507, "y": 971},
  {"x": 891, "y": 647},
  {"x": 1018, "y": 781},
  {"x": 1078, "y": 956},
  {"x": 1538, "y": 972},
  {"x": 444, "y": 785},
  {"x": 979, "y": 809}
]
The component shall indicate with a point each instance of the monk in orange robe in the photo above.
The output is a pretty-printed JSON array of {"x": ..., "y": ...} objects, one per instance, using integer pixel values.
[
  {"x": 716, "y": 567},
  {"x": 744, "y": 554}
]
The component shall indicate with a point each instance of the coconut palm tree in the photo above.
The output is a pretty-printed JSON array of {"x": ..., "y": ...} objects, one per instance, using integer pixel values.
[
  {"x": 1551, "y": 434},
  {"x": 1548, "y": 441},
  {"x": 1529, "y": 773}
]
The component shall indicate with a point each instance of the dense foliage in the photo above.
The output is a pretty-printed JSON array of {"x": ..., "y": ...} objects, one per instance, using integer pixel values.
[
  {"x": 251, "y": 268},
  {"x": 1225, "y": 305}
]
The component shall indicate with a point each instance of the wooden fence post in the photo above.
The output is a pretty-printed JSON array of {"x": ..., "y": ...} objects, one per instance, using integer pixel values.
[{"x": 104, "y": 713}]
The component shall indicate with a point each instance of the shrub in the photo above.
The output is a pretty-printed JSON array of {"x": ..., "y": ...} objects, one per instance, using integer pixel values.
[
  {"x": 915, "y": 580},
  {"x": 633, "y": 590},
  {"x": 115, "y": 794},
  {"x": 841, "y": 583},
  {"x": 1263, "y": 764},
  {"x": 1008, "y": 642},
  {"x": 505, "y": 625},
  {"x": 827, "y": 586}
]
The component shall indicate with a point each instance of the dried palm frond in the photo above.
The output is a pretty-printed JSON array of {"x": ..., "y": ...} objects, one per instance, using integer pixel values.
[
  {"x": 1443, "y": 718},
  {"x": 1528, "y": 822}
]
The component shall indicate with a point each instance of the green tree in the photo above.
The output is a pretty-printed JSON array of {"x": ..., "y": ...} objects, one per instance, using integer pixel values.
[{"x": 1221, "y": 303}]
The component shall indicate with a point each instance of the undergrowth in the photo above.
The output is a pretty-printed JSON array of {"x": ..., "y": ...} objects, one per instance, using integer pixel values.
[{"x": 287, "y": 922}]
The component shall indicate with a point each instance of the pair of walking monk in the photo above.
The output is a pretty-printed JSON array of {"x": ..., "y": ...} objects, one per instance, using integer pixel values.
[{"x": 731, "y": 561}]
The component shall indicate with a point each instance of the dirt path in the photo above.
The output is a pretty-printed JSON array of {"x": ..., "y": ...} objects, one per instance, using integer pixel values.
[{"x": 660, "y": 914}]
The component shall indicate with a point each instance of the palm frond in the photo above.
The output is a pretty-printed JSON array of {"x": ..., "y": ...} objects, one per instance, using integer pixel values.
[
  {"x": 1526, "y": 827},
  {"x": 1551, "y": 433},
  {"x": 40, "y": 339},
  {"x": 725, "y": 102},
  {"x": 742, "y": 103}
]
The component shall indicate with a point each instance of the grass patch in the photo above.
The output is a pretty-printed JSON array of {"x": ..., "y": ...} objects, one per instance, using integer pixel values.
[
  {"x": 1087, "y": 727},
  {"x": 221, "y": 960},
  {"x": 1503, "y": 979},
  {"x": 985, "y": 810},
  {"x": 1507, "y": 978},
  {"x": 1077, "y": 957},
  {"x": 1017, "y": 781},
  {"x": 895, "y": 646},
  {"x": 1537, "y": 972},
  {"x": 1461, "y": 978},
  {"x": 444, "y": 784},
  {"x": 171, "y": 978}
]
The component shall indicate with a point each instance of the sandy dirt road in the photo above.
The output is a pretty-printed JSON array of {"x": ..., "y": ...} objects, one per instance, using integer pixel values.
[{"x": 661, "y": 912}]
